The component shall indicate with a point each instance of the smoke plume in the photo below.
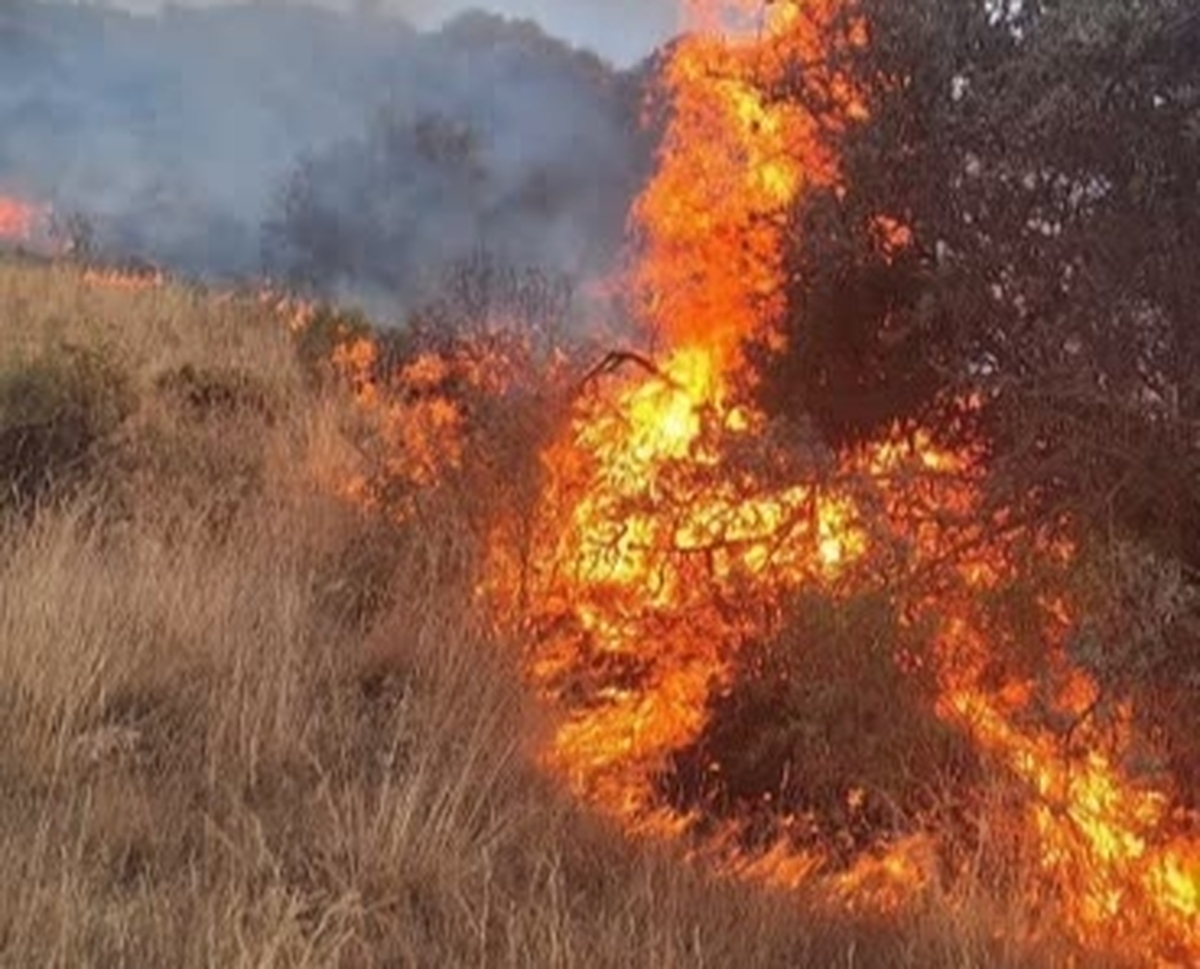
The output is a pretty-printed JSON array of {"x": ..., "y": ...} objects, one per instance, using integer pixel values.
[{"x": 348, "y": 147}]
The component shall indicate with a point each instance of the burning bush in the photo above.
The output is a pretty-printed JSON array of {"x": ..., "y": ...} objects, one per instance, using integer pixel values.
[
  {"x": 458, "y": 413},
  {"x": 325, "y": 330},
  {"x": 827, "y": 734}
]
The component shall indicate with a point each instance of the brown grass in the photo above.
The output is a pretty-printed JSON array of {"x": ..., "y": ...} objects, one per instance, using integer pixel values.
[{"x": 214, "y": 751}]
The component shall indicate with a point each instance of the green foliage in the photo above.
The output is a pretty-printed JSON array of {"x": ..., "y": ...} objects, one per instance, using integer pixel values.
[
  {"x": 58, "y": 412},
  {"x": 859, "y": 335},
  {"x": 1139, "y": 639},
  {"x": 1044, "y": 161}
]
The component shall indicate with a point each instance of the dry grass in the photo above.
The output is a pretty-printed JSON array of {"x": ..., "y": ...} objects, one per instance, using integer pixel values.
[{"x": 216, "y": 750}]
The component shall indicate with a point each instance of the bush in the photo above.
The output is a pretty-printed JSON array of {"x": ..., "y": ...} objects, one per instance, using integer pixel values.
[
  {"x": 57, "y": 414},
  {"x": 212, "y": 392},
  {"x": 1139, "y": 640},
  {"x": 828, "y": 731}
]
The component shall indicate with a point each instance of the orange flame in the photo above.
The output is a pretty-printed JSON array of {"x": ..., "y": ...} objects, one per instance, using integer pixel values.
[
  {"x": 672, "y": 528},
  {"x": 129, "y": 280},
  {"x": 20, "y": 220},
  {"x": 732, "y": 160},
  {"x": 656, "y": 533},
  {"x": 665, "y": 552}
]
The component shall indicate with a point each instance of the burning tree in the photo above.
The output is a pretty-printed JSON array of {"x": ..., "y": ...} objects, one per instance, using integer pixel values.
[
  {"x": 1040, "y": 165},
  {"x": 699, "y": 579},
  {"x": 680, "y": 526}
]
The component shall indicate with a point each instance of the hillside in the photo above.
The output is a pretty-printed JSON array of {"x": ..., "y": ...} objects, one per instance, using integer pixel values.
[{"x": 248, "y": 720}]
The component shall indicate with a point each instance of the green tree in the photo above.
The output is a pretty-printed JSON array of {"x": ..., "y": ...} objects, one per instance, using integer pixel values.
[{"x": 1046, "y": 162}]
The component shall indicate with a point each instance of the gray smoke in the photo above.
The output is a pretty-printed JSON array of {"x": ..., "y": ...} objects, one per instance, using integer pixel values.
[
  {"x": 624, "y": 31},
  {"x": 219, "y": 139}
]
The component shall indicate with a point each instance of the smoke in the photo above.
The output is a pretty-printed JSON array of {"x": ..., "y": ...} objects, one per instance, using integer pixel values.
[
  {"x": 214, "y": 133},
  {"x": 624, "y": 31},
  {"x": 621, "y": 30},
  {"x": 524, "y": 150}
]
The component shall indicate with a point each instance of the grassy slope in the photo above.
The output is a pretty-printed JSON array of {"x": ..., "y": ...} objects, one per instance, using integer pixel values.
[{"x": 218, "y": 748}]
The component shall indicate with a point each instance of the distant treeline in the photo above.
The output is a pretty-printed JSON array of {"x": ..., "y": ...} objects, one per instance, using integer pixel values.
[{"x": 350, "y": 152}]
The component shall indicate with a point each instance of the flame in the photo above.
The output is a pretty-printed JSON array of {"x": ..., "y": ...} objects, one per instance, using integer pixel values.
[
  {"x": 417, "y": 409},
  {"x": 421, "y": 428},
  {"x": 128, "y": 279},
  {"x": 20, "y": 221},
  {"x": 676, "y": 530},
  {"x": 672, "y": 527},
  {"x": 296, "y": 314},
  {"x": 656, "y": 534},
  {"x": 733, "y": 158}
]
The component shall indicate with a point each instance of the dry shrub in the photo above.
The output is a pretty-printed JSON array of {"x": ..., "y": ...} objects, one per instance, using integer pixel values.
[{"x": 58, "y": 413}]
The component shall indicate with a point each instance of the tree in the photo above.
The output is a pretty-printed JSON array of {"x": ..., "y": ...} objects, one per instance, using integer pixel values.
[
  {"x": 1044, "y": 165},
  {"x": 1016, "y": 241}
]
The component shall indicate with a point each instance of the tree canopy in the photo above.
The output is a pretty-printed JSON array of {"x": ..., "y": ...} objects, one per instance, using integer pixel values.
[{"x": 1018, "y": 225}]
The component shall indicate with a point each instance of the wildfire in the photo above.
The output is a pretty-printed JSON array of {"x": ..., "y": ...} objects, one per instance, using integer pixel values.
[
  {"x": 417, "y": 410},
  {"x": 677, "y": 530},
  {"x": 674, "y": 524},
  {"x": 130, "y": 279},
  {"x": 711, "y": 274},
  {"x": 661, "y": 531}
]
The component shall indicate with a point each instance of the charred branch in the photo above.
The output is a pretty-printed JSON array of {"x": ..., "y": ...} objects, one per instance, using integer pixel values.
[{"x": 615, "y": 360}]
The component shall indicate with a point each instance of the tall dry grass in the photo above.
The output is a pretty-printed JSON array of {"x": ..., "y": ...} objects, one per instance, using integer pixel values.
[{"x": 244, "y": 724}]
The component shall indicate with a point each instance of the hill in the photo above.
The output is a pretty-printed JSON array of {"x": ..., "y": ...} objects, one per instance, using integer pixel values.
[{"x": 247, "y": 720}]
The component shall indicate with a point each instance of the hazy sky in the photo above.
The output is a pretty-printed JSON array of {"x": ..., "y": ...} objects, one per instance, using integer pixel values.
[{"x": 622, "y": 30}]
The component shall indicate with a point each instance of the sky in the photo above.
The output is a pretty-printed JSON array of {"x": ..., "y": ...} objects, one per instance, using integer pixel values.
[{"x": 621, "y": 30}]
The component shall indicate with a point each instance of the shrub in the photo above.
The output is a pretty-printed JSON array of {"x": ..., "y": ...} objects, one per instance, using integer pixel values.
[
  {"x": 57, "y": 414},
  {"x": 831, "y": 722}
]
